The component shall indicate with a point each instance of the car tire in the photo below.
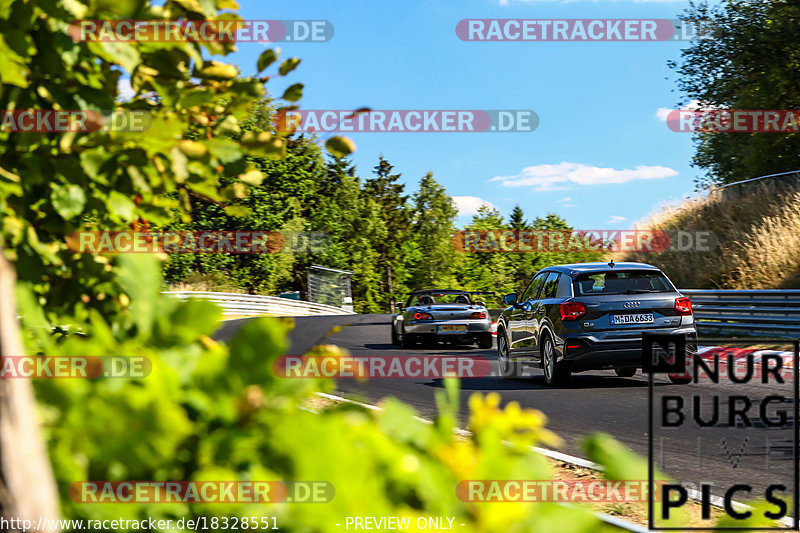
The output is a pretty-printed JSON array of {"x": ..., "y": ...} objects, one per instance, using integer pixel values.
[
  {"x": 625, "y": 372},
  {"x": 485, "y": 341},
  {"x": 408, "y": 341},
  {"x": 395, "y": 340},
  {"x": 508, "y": 369},
  {"x": 555, "y": 373},
  {"x": 679, "y": 380}
]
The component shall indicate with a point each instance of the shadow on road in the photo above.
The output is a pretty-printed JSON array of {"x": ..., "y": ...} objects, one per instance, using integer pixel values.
[
  {"x": 433, "y": 350},
  {"x": 498, "y": 383}
]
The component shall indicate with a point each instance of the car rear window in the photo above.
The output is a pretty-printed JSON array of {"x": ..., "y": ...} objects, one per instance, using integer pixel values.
[{"x": 621, "y": 282}]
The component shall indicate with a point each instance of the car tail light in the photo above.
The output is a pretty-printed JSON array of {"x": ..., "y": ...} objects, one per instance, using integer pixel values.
[
  {"x": 683, "y": 306},
  {"x": 422, "y": 316},
  {"x": 572, "y": 310},
  {"x": 478, "y": 314},
  {"x": 572, "y": 346}
]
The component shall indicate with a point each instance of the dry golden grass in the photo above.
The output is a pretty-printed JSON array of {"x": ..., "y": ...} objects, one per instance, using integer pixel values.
[{"x": 759, "y": 241}]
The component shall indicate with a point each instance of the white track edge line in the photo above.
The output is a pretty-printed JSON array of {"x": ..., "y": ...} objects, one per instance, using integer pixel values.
[{"x": 694, "y": 495}]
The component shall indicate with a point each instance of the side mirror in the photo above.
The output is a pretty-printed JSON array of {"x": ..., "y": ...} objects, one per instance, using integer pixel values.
[
  {"x": 481, "y": 303},
  {"x": 398, "y": 307},
  {"x": 510, "y": 299}
]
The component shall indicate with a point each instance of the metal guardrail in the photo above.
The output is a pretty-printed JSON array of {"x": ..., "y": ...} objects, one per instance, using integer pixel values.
[
  {"x": 255, "y": 305},
  {"x": 755, "y": 312}
]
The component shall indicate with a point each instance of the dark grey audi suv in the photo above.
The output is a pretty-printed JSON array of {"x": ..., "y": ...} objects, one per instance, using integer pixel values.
[{"x": 590, "y": 316}]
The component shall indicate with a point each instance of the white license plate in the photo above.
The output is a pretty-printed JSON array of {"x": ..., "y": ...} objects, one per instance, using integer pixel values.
[
  {"x": 644, "y": 318},
  {"x": 453, "y": 328}
]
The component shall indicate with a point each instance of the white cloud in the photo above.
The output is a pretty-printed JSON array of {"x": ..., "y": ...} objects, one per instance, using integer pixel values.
[
  {"x": 564, "y": 200},
  {"x": 468, "y": 205},
  {"x": 557, "y": 177},
  {"x": 125, "y": 89},
  {"x": 615, "y": 219}
]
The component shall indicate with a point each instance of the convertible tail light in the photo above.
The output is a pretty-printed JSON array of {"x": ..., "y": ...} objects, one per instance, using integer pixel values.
[
  {"x": 572, "y": 310},
  {"x": 422, "y": 316},
  {"x": 683, "y": 306},
  {"x": 478, "y": 314}
]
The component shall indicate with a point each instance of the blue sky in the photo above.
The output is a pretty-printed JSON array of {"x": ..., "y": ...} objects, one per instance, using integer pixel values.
[{"x": 597, "y": 102}]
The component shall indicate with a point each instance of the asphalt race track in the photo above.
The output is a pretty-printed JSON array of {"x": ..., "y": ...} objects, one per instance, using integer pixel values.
[{"x": 593, "y": 401}]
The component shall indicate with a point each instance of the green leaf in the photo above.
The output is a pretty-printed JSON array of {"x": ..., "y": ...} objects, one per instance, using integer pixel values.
[
  {"x": 125, "y": 55},
  {"x": 194, "y": 318},
  {"x": 340, "y": 146},
  {"x": 218, "y": 70},
  {"x": 293, "y": 93},
  {"x": 289, "y": 65},
  {"x": 254, "y": 350},
  {"x": 225, "y": 150},
  {"x": 252, "y": 177},
  {"x": 228, "y": 126},
  {"x": 140, "y": 278},
  {"x": 237, "y": 210},
  {"x": 179, "y": 164},
  {"x": 13, "y": 69},
  {"x": 68, "y": 200},
  {"x": 195, "y": 98},
  {"x": 267, "y": 58},
  {"x": 5, "y": 8},
  {"x": 122, "y": 206}
]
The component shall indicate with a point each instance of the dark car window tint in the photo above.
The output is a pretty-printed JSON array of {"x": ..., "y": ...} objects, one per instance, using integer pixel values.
[
  {"x": 621, "y": 283},
  {"x": 549, "y": 287},
  {"x": 533, "y": 287}
]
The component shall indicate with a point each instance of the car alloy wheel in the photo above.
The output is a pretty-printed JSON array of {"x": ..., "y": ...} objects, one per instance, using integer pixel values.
[
  {"x": 548, "y": 360},
  {"x": 554, "y": 373},
  {"x": 508, "y": 368}
]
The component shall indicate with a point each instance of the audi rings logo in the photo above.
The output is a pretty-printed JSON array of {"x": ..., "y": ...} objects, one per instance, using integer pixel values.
[{"x": 632, "y": 305}]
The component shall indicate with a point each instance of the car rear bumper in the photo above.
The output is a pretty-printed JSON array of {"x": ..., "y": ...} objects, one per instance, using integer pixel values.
[
  {"x": 432, "y": 327},
  {"x": 595, "y": 352}
]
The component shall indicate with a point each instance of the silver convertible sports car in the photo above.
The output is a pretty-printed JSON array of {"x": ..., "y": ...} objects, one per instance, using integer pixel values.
[{"x": 442, "y": 315}]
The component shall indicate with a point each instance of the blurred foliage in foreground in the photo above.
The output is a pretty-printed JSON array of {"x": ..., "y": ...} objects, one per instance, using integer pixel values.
[{"x": 213, "y": 411}]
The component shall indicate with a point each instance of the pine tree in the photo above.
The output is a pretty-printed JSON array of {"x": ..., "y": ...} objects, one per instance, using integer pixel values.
[
  {"x": 434, "y": 214},
  {"x": 517, "y": 219},
  {"x": 387, "y": 192}
]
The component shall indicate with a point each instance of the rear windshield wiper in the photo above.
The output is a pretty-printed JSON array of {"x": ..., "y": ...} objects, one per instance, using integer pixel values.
[{"x": 640, "y": 291}]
